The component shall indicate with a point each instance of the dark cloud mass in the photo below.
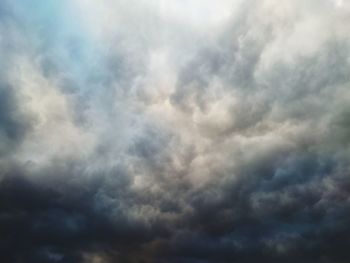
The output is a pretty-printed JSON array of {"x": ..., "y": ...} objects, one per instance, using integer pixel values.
[{"x": 174, "y": 131}]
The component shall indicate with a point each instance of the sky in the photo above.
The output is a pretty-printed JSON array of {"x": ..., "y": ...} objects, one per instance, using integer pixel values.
[{"x": 174, "y": 131}]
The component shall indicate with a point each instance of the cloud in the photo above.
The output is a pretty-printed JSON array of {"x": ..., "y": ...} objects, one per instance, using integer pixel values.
[{"x": 153, "y": 131}]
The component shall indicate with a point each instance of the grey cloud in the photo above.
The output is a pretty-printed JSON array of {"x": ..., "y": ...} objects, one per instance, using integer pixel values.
[
  {"x": 239, "y": 155},
  {"x": 14, "y": 124}
]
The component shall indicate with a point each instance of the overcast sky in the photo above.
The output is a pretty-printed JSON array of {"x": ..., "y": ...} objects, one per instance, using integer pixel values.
[{"x": 174, "y": 131}]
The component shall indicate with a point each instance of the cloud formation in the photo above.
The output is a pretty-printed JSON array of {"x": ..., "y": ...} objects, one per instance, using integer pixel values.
[{"x": 174, "y": 131}]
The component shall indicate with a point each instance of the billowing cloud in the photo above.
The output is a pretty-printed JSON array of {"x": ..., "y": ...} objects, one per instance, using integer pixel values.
[{"x": 174, "y": 131}]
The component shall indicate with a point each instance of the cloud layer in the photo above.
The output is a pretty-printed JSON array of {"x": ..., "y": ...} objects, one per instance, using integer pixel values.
[{"x": 174, "y": 131}]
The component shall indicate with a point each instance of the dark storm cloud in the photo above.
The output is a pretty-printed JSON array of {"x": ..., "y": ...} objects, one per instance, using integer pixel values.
[
  {"x": 58, "y": 220},
  {"x": 231, "y": 150}
]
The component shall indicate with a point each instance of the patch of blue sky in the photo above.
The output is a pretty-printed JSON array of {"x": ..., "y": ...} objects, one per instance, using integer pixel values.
[{"x": 61, "y": 42}]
